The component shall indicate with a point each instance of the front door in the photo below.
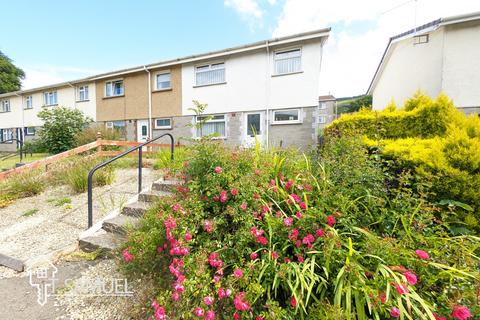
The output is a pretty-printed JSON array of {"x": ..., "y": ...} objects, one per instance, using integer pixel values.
[
  {"x": 254, "y": 128},
  {"x": 142, "y": 130}
]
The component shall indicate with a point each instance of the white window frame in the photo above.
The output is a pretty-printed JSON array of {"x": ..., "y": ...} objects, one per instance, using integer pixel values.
[
  {"x": 83, "y": 89},
  {"x": 7, "y": 135},
  {"x": 322, "y": 119},
  {"x": 160, "y": 74},
  {"x": 299, "y": 120},
  {"x": 28, "y": 131},
  {"x": 28, "y": 102},
  {"x": 50, "y": 98},
  {"x": 109, "y": 125},
  {"x": 421, "y": 39},
  {"x": 322, "y": 105},
  {"x": 113, "y": 94},
  {"x": 163, "y": 127},
  {"x": 210, "y": 69},
  {"x": 6, "y": 106},
  {"x": 224, "y": 120},
  {"x": 275, "y": 59}
]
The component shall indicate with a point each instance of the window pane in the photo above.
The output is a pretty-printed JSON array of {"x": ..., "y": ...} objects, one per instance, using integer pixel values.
[
  {"x": 163, "y": 81},
  {"x": 108, "y": 89},
  {"x": 163, "y": 122},
  {"x": 215, "y": 74},
  {"x": 287, "y": 65},
  {"x": 253, "y": 124},
  {"x": 286, "y": 115}
]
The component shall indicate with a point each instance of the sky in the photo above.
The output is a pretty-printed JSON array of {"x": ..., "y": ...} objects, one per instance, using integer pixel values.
[{"x": 55, "y": 41}]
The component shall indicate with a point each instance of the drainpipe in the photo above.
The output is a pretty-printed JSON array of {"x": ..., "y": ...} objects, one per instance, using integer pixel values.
[
  {"x": 74, "y": 95},
  {"x": 150, "y": 129},
  {"x": 267, "y": 89}
]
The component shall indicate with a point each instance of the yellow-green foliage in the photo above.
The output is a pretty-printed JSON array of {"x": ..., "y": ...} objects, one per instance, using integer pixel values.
[{"x": 430, "y": 136}]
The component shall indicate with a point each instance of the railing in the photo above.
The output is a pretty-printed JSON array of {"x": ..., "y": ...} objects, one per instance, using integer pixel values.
[
  {"x": 103, "y": 164},
  {"x": 19, "y": 142}
]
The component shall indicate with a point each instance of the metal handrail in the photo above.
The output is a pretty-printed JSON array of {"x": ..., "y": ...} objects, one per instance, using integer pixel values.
[
  {"x": 21, "y": 146},
  {"x": 103, "y": 164}
]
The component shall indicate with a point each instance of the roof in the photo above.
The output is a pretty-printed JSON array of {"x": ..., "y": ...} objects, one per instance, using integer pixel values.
[
  {"x": 304, "y": 36},
  {"x": 326, "y": 98},
  {"x": 431, "y": 26}
]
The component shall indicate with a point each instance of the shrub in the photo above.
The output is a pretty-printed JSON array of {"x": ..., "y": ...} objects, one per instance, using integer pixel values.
[
  {"x": 34, "y": 146},
  {"x": 277, "y": 235},
  {"x": 77, "y": 176},
  {"x": 23, "y": 185},
  {"x": 90, "y": 134},
  {"x": 60, "y": 125}
]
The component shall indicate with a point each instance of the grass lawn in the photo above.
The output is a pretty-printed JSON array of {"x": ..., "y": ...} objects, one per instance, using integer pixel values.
[{"x": 10, "y": 162}]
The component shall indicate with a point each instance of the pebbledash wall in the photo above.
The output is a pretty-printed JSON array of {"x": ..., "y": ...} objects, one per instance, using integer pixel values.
[{"x": 270, "y": 85}]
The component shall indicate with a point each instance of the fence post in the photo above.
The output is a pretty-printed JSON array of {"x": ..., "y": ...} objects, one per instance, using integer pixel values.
[{"x": 99, "y": 142}]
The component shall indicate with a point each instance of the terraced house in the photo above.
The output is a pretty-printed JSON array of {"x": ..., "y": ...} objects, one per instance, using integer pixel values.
[{"x": 268, "y": 90}]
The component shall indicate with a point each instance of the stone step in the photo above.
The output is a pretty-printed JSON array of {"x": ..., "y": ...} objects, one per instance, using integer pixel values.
[
  {"x": 166, "y": 185},
  {"x": 120, "y": 224},
  {"x": 135, "y": 209},
  {"x": 153, "y": 195},
  {"x": 102, "y": 240}
]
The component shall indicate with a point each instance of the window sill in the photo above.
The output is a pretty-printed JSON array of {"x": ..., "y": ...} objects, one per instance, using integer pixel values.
[
  {"x": 286, "y": 74},
  {"x": 212, "y": 138},
  {"x": 79, "y": 101},
  {"x": 50, "y": 105},
  {"x": 113, "y": 97},
  {"x": 209, "y": 85},
  {"x": 161, "y": 90},
  {"x": 278, "y": 123},
  {"x": 5, "y": 111},
  {"x": 28, "y": 108},
  {"x": 163, "y": 128}
]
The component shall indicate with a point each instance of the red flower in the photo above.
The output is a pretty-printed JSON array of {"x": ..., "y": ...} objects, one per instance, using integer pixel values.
[
  {"x": 234, "y": 192},
  {"x": 300, "y": 258},
  {"x": 383, "y": 297},
  {"x": 331, "y": 220},
  {"x": 208, "y": 300},
  {"x": 262, "y": 240},
  {"x": 274, "y": 255},
  {"x": 401, "y": 288},
  {"x": 438, "y": 317},
  {"x": 298, "y": 215},
  {"x": 273, "y": 183},
  {"x": 223, "y": 196},
  {"x": 243, "y": 206},
  {"x": 422, "y": 254},
  {"x": 127, "y": 256},
  {"x": 188, "y": 236},
  {"x": 199, "y": 312},
  {"x": 293, "y": 302},
  {"x": 238, "y": 273},
  {"x": 210, "y": 315},
  {"x": 218, "y": 169},
  {"x": 288, "y": 185},
  {"x": 411, "y": 277},
  {"x": 308, "y": 239},
  {"x": 240, "y": 303},
  {"x": 319, "y": 232},
  {"x": 461, "y": 313},
  {"x": 303, "y": 205},
  {"x": 288, "y": 221},
  {"x": 253, "y": 255},
  {"x": 236, "y": 316},
  {"x": 394, "y": 312},
  {"x": 208, "y": 226}
]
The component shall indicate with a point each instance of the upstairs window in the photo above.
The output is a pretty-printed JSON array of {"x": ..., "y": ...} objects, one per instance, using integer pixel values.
[
  {"x": 210, "y": 74},
  {"x": 114, "y": 88},
  {"x": 5, "y": 106},
  {"x": 289, "y": 61},
  {"x": 82, "y": 93},
  {"x": 50, "y": 98},
  {"x": 214, "y": 126},
  {"x": 28, "y": 102},
  {"x": 323, "y": 105},
  {"x": 163, "y": 81},
  {"x": 423, "y": 38}
]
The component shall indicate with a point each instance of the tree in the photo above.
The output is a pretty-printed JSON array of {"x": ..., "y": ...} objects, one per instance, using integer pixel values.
[
  {"x": 60, "y": 125},
  {"x": 353, "y": 104},
  {"x": 10, "y": 76}
]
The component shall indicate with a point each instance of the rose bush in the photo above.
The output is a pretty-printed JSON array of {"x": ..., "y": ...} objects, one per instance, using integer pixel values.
[{"x": 279, "y": 235}]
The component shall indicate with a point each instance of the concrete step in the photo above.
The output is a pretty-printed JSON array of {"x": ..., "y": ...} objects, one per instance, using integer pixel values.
[
  {"x": 153, "y": 195},
  {"x": 166, "y": 185},
  {"x": 102, "y": 240},
  {"x": 120, "y": 224},
  {"x": 135, "y": 209}
]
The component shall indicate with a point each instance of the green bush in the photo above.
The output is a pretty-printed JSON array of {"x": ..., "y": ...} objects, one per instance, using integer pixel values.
[
  {"x": 278, "y": 235},
  {"x": 22, "y": 185},
  {"x": 90, "y": 134},
  {"x": 35, "y": 146},
  {"x": 77, "y": 176}
]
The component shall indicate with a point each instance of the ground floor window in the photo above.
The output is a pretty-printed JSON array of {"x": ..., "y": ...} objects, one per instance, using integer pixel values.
[
  {"x": 163, "y": 123},
  {"x": 322, "y": 119},
  {"x": 211, "y": 126},
  {"x": 286, "y": 116},
  {"x": 6, "y": 134},
  {"x": 30, "y": 131}
]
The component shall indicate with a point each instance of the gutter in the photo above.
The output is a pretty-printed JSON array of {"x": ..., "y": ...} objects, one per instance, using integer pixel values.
[{"x": 150, "y": 129}]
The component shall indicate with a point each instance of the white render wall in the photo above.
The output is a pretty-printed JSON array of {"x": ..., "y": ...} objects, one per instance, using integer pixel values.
[
  {"x": 250, "y": 85},
  {"x": 409, "y": 68},
  {"x": 66, "y": 96}
]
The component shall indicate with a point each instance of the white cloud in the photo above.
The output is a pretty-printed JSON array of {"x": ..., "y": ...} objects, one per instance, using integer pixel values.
[
  {"x": 360, "y": 33},
  {"x": 246, "y": 8},
  {"x": 39, "y": 76}
]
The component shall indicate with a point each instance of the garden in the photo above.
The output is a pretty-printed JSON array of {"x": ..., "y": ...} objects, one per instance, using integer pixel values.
[{"x": 378, "y": 222}]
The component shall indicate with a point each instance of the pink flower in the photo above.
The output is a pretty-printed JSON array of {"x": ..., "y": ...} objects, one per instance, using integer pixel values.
[
  {"x": 240, "y": 303},
  {"x": 288, "y": 185},
  {"x": 243, "y": 206},
  {"x": 294, "y": 197},
  {"x": 208, "y": 226},
  {"x": 238, "y": 273},
  {"x": 253, "y": 255},
  {"x": 308, "y": 240},
  {"x": 411, "y": 277},
  {"x": 422, "y": 254},
  {"x": 319, "y": 232},
  {"x": 383, "y": 297},
  {"x": 461, "y": 313},
  {"x": 199, "y": 312},
  {"x": 394, "y": 312},
  {"x": 160, "y": 313},
  {"x": 236, "y": 316},
  {"x": 259, "y": 318},
  {"x": 210, "y": 315},
  {"x": 223, "y": 196},
  {"x": 293, "y": 302},
  {"x": 288, "y": 221},
  {"x": 127, "y": 256},
  {"x": 216, "y": 278},
  {"x": 221, "y": 293},
  {"x": 331, "y": 220},
  {"x": 438, "y": 317},
  {"x": 175, "y": 296},
  {"x": 274, "y": 255},
  {"x": 273, "y": 183},
  {"x": 303, "y": 205},
  {"x": 208, "y": 300},
  {"x": 188, "y": 236},
  {"x": 170, "y": 223},
  {"x": 298, "y": 215},
  {"x": 218, "y": 169},
  {"x": 234, "y": 192},
  {"x": 401, "y": 288},
  {"x": 256, "y": 232},
  {"x": 300, "y": 258},
  {"x": 262, "y": 240}
]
